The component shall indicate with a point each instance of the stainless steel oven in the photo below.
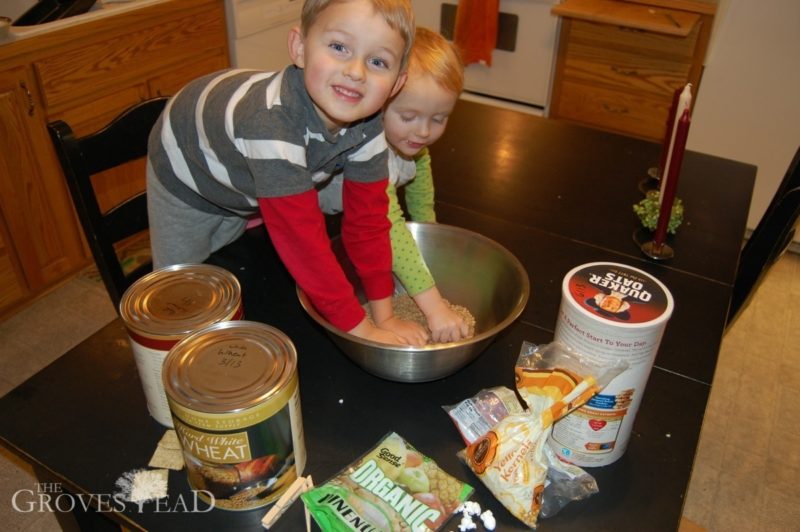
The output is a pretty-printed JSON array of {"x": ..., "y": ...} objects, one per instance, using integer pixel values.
[{"x": 522, "y": 63}]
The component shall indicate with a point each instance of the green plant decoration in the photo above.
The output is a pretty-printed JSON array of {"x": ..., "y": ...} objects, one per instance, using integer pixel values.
[{"x": 648, "y": 210}]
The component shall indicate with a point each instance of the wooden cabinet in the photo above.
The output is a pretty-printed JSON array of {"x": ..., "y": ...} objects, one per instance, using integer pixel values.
[
  {"x": 85, "y": 74},
  {"x": 34, "y": 199},
  {"x": 619, "y": 63},
  {"x": 12, "y": 283}
]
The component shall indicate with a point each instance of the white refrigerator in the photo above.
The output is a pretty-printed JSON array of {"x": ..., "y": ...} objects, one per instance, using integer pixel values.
[{"x": 748, "y": 107}]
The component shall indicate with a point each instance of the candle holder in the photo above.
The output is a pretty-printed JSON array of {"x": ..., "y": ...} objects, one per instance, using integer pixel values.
[
  {"x": 646, "y": 236},
  {"x": 651, "y": 182},
  {"x": 644, "y": 239}
]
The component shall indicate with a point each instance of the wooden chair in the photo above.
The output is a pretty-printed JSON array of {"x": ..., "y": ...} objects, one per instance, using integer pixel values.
[
  {"x": 123, "y": 140},
  {"x": 769, "y": 240}
]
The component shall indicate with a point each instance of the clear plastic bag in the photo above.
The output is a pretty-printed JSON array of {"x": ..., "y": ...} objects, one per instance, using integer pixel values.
[
  {"x": 512, "y": 458},
  {"x": 565, "y": 483},
  {"x": 476, "y": 415}
]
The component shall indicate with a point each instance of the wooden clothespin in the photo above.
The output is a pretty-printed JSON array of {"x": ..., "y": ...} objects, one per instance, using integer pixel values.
[{"x": 299, "y": 486}]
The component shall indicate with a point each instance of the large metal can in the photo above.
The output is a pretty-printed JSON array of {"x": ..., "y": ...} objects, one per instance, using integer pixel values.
[
  {"x": 164, "y": 306},
  {"x": 235, "y": 399}
]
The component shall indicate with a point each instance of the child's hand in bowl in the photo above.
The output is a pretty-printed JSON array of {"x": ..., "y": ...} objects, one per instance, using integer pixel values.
[
  {"x": 445, "y": 324},
  {"x": 412, "y": 332},
  {"x": 383, "y": 316},
  {"x": 368, "y": 331}
]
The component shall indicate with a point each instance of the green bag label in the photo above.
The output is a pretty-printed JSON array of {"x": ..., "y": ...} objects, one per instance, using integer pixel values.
[{"x": 393, "y": 488}]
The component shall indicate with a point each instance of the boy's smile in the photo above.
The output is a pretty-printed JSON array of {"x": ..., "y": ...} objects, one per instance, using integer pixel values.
[{"x": 351, "y": 59}]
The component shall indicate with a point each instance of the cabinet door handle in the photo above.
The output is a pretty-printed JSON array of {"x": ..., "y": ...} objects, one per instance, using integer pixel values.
[
  {"x": 615, "y": 110},
  {"x": 624, "y": 71},
  {"x": 29, "y": 96}
]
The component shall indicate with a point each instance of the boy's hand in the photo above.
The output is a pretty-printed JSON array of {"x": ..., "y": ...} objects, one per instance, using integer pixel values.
[
  {"x": 444, "y": 323},
  {"x": 366, "y": 330},
  {"x": 412, "y": 332}
]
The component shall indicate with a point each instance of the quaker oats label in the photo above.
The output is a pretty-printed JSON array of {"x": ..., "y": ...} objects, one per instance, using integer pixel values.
[
  {"x": 609, "y": 312},
  {"x": 618, "y": 294}
]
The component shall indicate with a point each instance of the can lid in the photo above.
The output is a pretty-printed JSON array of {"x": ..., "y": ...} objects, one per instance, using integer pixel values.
[
  {"x": 618, "y": 294},
  {"x": 171, "y": 302},
  {"x": 229, "y": 366}
]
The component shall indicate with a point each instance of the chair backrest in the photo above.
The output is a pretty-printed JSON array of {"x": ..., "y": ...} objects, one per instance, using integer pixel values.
[
  {"x": 123, "y": 140},
  {"x": 769, "y": 240}
]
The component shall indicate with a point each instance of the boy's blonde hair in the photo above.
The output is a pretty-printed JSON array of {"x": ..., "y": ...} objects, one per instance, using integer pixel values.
[
  {"x": 398, "y": 14},
  {"x": 433, "y": 55}
]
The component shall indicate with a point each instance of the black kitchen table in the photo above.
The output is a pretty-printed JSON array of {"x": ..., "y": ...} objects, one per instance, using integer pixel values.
[{"x": 557, "y": 196}]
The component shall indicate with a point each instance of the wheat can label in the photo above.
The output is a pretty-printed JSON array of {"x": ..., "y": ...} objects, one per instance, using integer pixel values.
[
  {"x": 609, "y": 312},
  {"x": 235, "y": 399}
]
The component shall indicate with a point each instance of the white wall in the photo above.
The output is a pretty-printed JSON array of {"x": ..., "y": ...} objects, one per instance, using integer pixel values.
[{"x": 748, "y": 105}]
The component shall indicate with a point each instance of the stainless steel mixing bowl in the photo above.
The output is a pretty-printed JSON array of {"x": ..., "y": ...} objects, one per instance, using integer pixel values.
[{"x": 470, "y": 270}]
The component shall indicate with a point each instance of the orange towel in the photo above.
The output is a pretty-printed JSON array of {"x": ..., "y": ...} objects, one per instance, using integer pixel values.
[{"x": 476, "y": 30}]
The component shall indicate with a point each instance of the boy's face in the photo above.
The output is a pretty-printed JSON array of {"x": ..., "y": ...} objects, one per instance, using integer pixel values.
[
  {"x": 351, "y": 59},
  {"x": 418, "y": 115}
]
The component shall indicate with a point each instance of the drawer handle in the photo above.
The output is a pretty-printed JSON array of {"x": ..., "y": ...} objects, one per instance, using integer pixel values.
[
  {"x": 624, "y": 71},
  {"x": 29, "y": 96},
  {"x": 616, "y": 110}
]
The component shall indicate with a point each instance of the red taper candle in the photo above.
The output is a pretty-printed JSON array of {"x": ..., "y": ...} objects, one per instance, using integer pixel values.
[
  {"x": 671, "y": 186},
  {"x": 684, "y": 102},
  {"x": 668, "y": 133}
]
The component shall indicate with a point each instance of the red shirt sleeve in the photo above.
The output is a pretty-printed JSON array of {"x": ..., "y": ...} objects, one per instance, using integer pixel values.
[
  {"x": 365, "y": 234},
  {"x": 297, "y": 229}
]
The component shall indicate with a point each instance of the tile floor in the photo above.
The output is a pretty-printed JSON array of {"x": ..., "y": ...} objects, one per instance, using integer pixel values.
[{"x": 747, "y": 465}]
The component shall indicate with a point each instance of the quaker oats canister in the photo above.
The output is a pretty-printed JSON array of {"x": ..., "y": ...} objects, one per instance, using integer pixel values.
[
  {"x": 164, "y": 306},
  {"x": 235, "y": 399},
  {"x": 609, "y": 312}
]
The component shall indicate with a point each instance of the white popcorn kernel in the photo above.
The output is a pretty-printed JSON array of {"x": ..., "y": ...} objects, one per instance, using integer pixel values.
[
  {"x": 467, "y": 524},
  {"x": 469, "y": 508},
  {"x": 489, "y": 522}
]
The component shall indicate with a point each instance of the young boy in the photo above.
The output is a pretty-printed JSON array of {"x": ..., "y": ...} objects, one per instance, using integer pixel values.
[
  {"x": 414, "y": 119},
  {"x": 237, "y": 142}
]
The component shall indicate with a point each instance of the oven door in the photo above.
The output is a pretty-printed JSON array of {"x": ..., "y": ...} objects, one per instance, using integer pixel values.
[{"x": 522, "y": 66}]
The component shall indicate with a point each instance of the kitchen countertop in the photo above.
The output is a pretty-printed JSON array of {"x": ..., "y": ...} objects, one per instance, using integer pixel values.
[
  {"x": 100, "y": 10},
  {"x": 707, "y": 7},
  {"x": 632, "y": 15}
]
